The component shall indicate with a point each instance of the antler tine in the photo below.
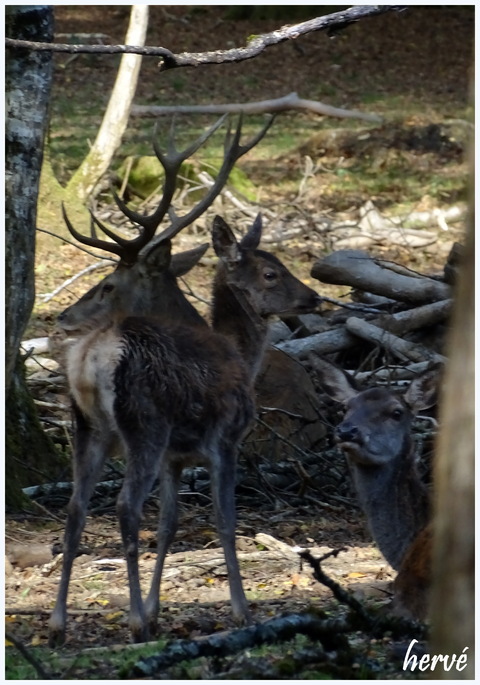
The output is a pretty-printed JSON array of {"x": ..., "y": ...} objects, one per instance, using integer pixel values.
[
  {"x": 233, "y": 152},
  {"x": 256, "y": 139},
  {"x": 171, "y": 162},
  {"x": 92, "y": 241}
]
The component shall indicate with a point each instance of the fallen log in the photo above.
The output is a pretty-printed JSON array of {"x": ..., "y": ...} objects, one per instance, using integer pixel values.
[
  {"x": 282, "y": 628},
  {"x": 360, "y": 271},
  {"x": 340, "y": 338}
]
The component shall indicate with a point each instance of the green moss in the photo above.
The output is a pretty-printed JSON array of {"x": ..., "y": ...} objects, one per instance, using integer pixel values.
[{"x": 145, "y": 176}]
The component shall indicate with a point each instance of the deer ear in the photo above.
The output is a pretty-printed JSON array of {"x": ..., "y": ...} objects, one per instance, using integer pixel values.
[
  {"x": 422, "y": 391},
  {"x": 225, "y": 243},
  {"x": 182, "y": 262},
  {"x": 251, "y": 240},
  {"x": 159, "y": 256},
  {"x": 334, "y": 381}
]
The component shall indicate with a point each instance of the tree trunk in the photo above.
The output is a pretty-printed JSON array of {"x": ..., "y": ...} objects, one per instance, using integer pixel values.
[
  {"x": 31, "y": 457},
  {"x": 28, "y": 81},
  {"x": 115, "y": 119},
  {"x": 453, "y": 594}
]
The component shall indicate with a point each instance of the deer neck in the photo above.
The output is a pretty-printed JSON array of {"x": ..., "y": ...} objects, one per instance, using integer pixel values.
[
  {"x": 395, "y": 502},
  {"x": 234, "y": 316}
]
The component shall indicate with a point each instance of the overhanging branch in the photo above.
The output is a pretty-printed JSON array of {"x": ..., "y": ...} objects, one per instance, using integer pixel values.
[{"x": 332, "y": 23}]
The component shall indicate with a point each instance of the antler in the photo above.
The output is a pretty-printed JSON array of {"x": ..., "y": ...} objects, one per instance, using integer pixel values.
[
  {"x": 171, "y": 161},
  {"x": 232, "y": 152}
]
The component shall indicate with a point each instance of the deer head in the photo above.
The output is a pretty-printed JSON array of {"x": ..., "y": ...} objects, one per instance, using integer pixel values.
[
  {"x": 269, "y": 287},
  {"x": 375, "y": 435},
  {"x": 147, "y": 287},
  {"x": 377, "y": 423},
  {"x": 250, "y": 287}
]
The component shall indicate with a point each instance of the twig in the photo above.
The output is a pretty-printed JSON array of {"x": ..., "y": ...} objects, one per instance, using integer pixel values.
[
  {"x": 338, "y": 592},
  {"x": 267, "y": 410},
  {"x": 369, "y": 308},
  {"x": 49, "y": 296},
  {"x": 126, "y": 176},
  {"x": 208, "y": 181},
  {"x": 28, "y": 656},
  {"x": 77, "y": 245}
]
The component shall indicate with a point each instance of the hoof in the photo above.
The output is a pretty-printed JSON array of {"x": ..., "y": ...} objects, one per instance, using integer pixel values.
[
  {"x": 243, "y": 618},
  {"x": 139, "y": 634},
  {"x": 153, "y": 628},
  {"x": 56, "y": 638}
]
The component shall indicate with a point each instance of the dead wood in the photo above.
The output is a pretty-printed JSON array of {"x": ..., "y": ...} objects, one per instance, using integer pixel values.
[
  {"x": 425, "y": 316},
  {"x": 279, "y": 546},
  {"x": 168, "y": 60},
  {"x": 368, "y": 620},
  {"x": 282, "y": 104},
  {"x": 342, "y": 337},
  {"x": 322, "y": 343},
  {"x": 404, "y": 350},
  {"x": 358, "y": 270},
  {"x": 328, "y": 631}
]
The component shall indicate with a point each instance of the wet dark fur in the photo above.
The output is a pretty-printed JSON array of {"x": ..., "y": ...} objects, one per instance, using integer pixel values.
[{"x": 192, "y": 380}]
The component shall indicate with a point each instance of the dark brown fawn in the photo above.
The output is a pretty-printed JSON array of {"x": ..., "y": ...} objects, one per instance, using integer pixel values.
[
  {"x": 375, "y": 435},
  {"x": 171, "y": 395}
]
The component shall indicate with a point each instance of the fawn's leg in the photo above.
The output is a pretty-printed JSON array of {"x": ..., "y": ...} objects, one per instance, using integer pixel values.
[
  {"x": 222, "y": 473},
  {"x": 90, "y": 451},
  {"x": 167, "y": 526},
  {"x": 145, "y": 453}
]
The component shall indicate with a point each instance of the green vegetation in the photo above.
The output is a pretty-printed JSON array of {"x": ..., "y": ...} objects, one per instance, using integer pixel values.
[{"x": 89, "y": 664}]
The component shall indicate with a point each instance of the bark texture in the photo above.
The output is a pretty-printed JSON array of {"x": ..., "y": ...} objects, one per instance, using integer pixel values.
[
  {"x": 28, "y": 80},
  {"x": 453, "y": 597}
]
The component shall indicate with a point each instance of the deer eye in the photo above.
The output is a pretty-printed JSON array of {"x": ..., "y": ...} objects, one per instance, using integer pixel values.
[
  {"x": 270, "y": 275},
  {"x": 397, "y": 414}
]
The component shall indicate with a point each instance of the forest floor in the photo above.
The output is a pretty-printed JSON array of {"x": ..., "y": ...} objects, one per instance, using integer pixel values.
[{"x": 411, "y": 68}]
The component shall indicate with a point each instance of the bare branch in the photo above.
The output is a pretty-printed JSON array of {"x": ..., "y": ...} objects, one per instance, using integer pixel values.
[
  {"x": 147, "y": 51},
  {"x": 49, "y": 296},
  {"x": 332, "y": 22},
  {"x": 287, "y": 102}
]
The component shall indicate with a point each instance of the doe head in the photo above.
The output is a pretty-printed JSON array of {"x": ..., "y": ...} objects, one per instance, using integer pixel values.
[{"x": 267, "y": 283}]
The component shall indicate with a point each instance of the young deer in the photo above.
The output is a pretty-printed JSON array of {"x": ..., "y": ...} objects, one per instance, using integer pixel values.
[
  {"x": 375, "y": 435},
  {"x": 172, "y": 394}
]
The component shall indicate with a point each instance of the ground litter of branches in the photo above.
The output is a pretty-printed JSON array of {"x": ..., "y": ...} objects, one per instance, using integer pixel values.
[{"x": 289, "y": 492}]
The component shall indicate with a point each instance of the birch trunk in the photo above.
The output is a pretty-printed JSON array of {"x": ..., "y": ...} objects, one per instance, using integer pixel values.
[{"x": 116, "y": 116}]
